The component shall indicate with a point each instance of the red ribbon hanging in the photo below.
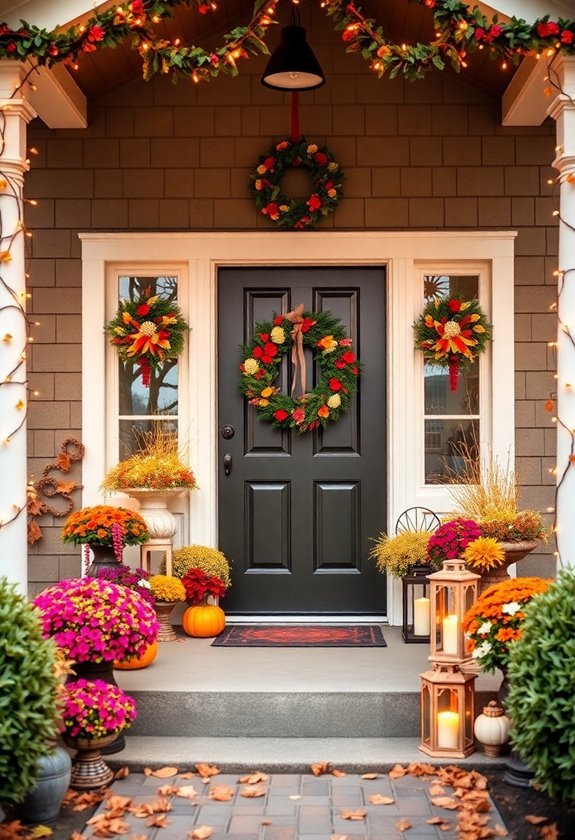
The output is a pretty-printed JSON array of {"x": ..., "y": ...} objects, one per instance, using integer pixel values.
[{"x": 295, "y": 135}]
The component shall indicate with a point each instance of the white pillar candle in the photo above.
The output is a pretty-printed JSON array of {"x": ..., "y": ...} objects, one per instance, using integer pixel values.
[
  {"x": 448, "y": 730},
  {"x": 421, "y": 617},
  {"x": 450, "y": 634}
]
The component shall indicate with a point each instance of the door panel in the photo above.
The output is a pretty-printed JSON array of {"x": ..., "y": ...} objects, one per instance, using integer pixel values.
[{"x": 296, "y": 512}]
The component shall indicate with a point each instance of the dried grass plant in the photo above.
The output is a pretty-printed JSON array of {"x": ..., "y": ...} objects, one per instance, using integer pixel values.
[
  {"x": 485, "y": 490},
  {"x": 158, "y": 464}
]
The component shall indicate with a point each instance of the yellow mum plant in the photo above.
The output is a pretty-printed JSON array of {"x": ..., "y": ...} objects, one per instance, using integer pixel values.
[
  {"x": 483, "y": 554},
  {"x": 396, "y": 555},
  {"x": 209, "y": 560},
  {"x": 167, "y": 589}
]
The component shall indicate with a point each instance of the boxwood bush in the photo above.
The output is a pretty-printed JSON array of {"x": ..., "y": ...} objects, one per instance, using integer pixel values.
[
  {"x": 28, "y": 694},
  {"x": 541, "y": 701}
]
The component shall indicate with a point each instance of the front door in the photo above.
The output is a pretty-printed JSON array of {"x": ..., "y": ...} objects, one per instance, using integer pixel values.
[{"x": 297, "y": 512}]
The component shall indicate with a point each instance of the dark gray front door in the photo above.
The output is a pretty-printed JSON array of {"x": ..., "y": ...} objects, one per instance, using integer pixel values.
[{"x": 296, "y": 512}]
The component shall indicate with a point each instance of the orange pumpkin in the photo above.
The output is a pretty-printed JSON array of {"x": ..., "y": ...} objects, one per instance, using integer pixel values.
[
  {"x": 142, "y": 661},
  {"x": 204, "y": 620}
]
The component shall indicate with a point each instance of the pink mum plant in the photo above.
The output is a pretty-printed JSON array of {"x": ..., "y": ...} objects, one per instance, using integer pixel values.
[{"x": 94, "y": 709}]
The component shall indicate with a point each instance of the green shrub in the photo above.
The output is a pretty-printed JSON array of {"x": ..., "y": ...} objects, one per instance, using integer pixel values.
[
  {"x": 209, "y": 560},
  {"x": 28, "y": 694},
  {"x": 541, "y": 701}
]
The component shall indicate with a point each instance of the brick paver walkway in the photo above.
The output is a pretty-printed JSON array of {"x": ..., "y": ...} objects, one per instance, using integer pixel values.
[{"x": 293, "y": 806}]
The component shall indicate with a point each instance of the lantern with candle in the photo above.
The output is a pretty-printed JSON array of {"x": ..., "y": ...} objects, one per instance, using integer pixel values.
[
  {"x": 453, "y": 590},
  {"x": 416, "y": 605},
  {"x": 447, "y": 711}
]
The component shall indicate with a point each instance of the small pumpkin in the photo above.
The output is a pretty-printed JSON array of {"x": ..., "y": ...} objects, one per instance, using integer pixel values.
[
  {"x": 204, "y": 620},
  {"x": 492, "y": 729},
  {"x": 142, "y": 661}
]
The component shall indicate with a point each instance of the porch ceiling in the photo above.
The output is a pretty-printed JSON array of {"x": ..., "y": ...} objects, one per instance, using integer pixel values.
[{"x": 103, "y": 70}]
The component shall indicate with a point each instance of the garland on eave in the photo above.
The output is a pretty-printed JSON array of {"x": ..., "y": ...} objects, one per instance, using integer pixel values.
[{"x": 459, "y": 30}]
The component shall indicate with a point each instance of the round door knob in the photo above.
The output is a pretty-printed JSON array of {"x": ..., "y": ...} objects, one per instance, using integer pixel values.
[{"x": 228, "y": 432}]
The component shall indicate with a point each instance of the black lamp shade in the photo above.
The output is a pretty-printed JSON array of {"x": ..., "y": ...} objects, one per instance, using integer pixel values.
[{"x": 293, "y": 66}]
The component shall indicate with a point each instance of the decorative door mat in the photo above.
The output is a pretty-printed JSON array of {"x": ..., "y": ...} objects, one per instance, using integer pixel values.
[{"x": 301, "y": 635}]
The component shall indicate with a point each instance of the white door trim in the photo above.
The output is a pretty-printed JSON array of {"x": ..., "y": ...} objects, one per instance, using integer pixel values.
[{"x": 202, "y": 254}]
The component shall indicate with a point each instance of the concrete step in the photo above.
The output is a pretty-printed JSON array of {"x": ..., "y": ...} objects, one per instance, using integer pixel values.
[
  {"x": 280, "y": 755},
  {"x": 280, "y": 714}
]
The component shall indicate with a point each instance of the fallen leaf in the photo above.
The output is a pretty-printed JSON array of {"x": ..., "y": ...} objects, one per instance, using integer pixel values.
[
  {"x": 147, "y": 771},
  {"x": 156, "y": 806},
  {"x": 549, "y": 832},
  {"x": 122, "y": 773},
  {"x": 253, "y": 778},
  {"x": 266, "y": 822},
  {"x": 500, "y": 830},
  {"x": 436, "y": 790},
  {"x": 319, "y": 768},
  {"x": 159, "y": 820},
  {"x": 397, "y": 772},
  {"x": 187, "y": 775},
  {"x": 339, "y": 774},
  {"x": 403, "y": 825},
  {"x": 380, "y": 799},
  {"x": 164, "y": 772},
  {"x": 118, "y": 803},
  {"x": 535, "y": 820},
  {"x": 295, "y": 796},
  {"x": 221, "y": 793},
  {"x": 355, "y": 814},
  {"x": 168, "y": 790},
  {"x": 370, "y": 776},
  {"x": 186, "y": 791},
  {"x": 338, "y": 837},
  {"x": 207, "y": 770},
  {"x": 201, "y": 832},
  {"x": 12, "y": 830},
  {"x": 435, "y": 820},
  {"x": 41, "y": 831},
  {"x": 419, "y": 769},
  {"x": 76, "y": 836},
  {"x": 253, "y": 791},
  {"x": 445, "y": 802}
]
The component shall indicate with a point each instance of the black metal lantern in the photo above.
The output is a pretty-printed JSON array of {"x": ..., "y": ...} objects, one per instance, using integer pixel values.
[{"x": 416, "y": 605}]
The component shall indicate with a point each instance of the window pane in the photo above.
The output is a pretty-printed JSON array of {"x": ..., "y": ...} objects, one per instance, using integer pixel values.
[
  {"x": 439, "y": 399},
  {"x": 463, "y": 286},
  {"x": 131, "y": 430},
  {"x": 448, "y": 445}
]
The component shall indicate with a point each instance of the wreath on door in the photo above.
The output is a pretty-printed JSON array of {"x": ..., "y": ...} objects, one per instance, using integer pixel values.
[{"x": 291, "y": 333}]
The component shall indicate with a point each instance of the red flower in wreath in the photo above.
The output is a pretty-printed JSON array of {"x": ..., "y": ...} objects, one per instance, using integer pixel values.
[
  {"x": 335, "y": 385},
  {"x": 281, "y": 414}
]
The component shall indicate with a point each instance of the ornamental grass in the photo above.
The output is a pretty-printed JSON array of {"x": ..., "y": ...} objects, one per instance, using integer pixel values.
[
  {"x": 94, "y": 709},
  {"x": 93, "y": 620},
  {"x": 157, "y": 465},
  {"x": 96, "y": 525},
  {"x": 396, "y": 555},
  {"x": 496, "y": 619},
  {"x": 167, "y": 589}
]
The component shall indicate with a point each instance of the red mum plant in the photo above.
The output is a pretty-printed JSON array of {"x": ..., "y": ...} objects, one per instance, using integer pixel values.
[
  {"x": 199, "y": 585},
  {"x": 451, "y": 539}
]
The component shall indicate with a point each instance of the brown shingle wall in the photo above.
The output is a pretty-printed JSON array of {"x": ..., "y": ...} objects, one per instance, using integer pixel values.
[{"x": 429, "y": 155}]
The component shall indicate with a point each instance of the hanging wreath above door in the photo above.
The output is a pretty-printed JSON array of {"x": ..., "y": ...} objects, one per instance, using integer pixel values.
[{"x": 339, "y": 369}]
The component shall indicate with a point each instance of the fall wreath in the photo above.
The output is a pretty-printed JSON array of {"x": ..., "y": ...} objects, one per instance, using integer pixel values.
[
  {"x": 290, "y": 333},
  {"x": 292, "y": 213},
  {"x": 451, "y": 333},
  {"x": 148, "y": 330}
]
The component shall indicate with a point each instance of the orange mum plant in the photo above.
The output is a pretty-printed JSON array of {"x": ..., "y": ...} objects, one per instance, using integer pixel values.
[
  {"x": 495, "y": 620},
  {"x": 96, "y": 525}
]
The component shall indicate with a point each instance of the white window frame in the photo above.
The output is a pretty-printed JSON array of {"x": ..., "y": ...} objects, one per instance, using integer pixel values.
[{"x": 199, "y": 256}]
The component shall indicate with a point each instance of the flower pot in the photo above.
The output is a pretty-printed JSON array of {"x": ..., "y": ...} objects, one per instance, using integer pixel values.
[
  {"x": 42, "y": 804},
  {"x": 514, "y": 552},
  {"x": 166, "y": 633},
  {"x": 104, "y": 558},
  {"x": 161, "y": 522},
  {"x": 89, "y": 770}
]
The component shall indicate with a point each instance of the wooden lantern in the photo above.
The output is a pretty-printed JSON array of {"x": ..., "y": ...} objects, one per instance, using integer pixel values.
[
  {"x": 447, "y": 712},
  {"x": 416, "y": 612},
  {"x": 453, "y": 590}
]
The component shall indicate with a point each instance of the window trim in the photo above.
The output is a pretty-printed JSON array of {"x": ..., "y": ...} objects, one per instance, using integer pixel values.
[{"x": 403, "y": 252}]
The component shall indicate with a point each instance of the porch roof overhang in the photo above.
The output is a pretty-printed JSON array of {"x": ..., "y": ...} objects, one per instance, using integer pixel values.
[{"x": 61, "y": 103}]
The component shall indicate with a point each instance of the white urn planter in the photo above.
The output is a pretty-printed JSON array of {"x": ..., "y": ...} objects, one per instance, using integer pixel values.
[{"x": 160, "y": 520}]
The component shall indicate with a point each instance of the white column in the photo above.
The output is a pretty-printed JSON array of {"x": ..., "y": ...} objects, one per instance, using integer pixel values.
[
  {"x": 562, "y": 73},
  {"x": 15, "y": 113}
]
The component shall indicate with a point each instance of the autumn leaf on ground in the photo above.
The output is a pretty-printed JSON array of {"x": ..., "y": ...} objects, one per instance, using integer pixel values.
[
  {"x": 122, "y": 773},
  {"x": 82, "y": 801},
  {"x": 76, "y": 836},
  {"x": 187, "y": 775},
  {"x": 201, "y": 832},
  {"x": 419, "y": 769},
  {"x": 380, "y": 799},
  {"x": 320, "y": 767},
  {"x": 353, "y": 814},
  {"x": 397, "y": 771},
  {"x": 168, "y": 790},
  {"x": 145, "y": 809},
  {"x": 221, "y": 793},
  {"x": 436, "y": 790},
  {"x": 370, "y": 776},
  {"x": 339, "y": 774},
  {"x": 253, "y": 778},
  {"x": 207, "y": 770},
  {"x": 253, "y": 791},
  {"x": 266, "y": 822},
  {"x": 339, "y": 837},
  {"x": 41, "y": 831},
  {"x": 445, "y": 802},
  {"x": 443, "y": 824},
  {"x": 163, "y": 772},
  {"x": 12, "y": 830},
  {"x": 108, "y": 828},
  {"x": 535, "y": 820},
  {"x": 500, "y": 830},
  {"x": 295, "y": 796},
  {"x": 159, "y": 820},
  {"x": 118, "y": 803},
  {"x": 186, "y": 791},
  {"x": 403, "y": 825},
  {"x": 549, "y": 832}
]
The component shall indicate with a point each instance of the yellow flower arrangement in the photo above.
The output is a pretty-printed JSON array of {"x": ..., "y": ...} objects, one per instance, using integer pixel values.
[
  {"x": 167, "y": 589},
  {"x": 396, "y": 555},
  {"x": 158, "y": 465},
  {"x": 483, "y": 554}
]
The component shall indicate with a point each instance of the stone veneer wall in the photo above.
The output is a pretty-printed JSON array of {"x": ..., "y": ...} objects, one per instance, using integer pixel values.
[{"x": 428, "y": 155}]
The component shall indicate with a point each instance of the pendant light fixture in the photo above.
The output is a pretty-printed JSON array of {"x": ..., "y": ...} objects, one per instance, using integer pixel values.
[{"x": 293, "y": 65}]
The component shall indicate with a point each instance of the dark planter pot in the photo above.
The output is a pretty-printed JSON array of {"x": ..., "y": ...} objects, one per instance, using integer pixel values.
[
  {"x": 42, "y": 804},
  {"x": 517, "y": 773},
  {"x": 104, "y": 558},
  {"x": 99, "y": 671}
]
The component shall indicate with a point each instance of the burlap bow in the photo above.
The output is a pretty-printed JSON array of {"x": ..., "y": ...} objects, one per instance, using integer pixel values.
[{"x": 297, "y": 355}]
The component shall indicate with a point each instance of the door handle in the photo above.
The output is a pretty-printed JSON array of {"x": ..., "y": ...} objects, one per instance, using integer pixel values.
[{"x": 227, "y": 463}]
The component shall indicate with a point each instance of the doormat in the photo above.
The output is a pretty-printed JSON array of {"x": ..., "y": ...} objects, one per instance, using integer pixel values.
[{"x": 301, "y": 635}]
